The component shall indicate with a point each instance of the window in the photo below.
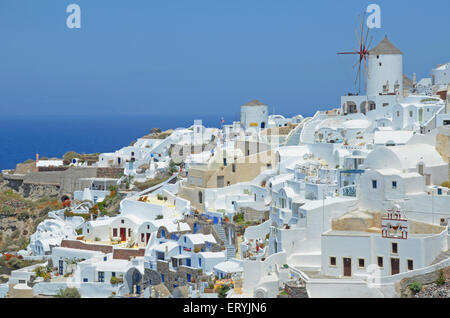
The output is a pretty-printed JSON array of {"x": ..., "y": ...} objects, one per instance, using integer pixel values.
[
  {"x": 385, "y": 104},
  {"x": 192, "y": 180},
  {"x": 380, "y": 261},
  {"x": 361, "y": 262},
  {"x": 394, "y": 184},
  {"x": 199, "y": 262},
  {"x": 162, "y": 278},
  {"x": 233, "y": 167},
  {"x": 87, "y": 230},
  {"x": 332, "y": 261},
  {"x": 200, "y": 181},
  {"x": 200, "y": 197},
  {"x": 113, "y": 274},
  {"x": 410, "y": 264},
  {"x": 129, "y": 232},
  {"x": 142, "y": 237},
  {"x": 85, "y": 280},
  {"x": 398, "y": 113},
  {"x": 122, "y": 221},
  {"x": 188, "y": 277},
  {"x": 114, "y": 232},
  {"x": 394, "y": 248},
  {"x": 410, "y": 113},
  {"x": 101, "y": 277},
  {"x": 374, "y": 184}
]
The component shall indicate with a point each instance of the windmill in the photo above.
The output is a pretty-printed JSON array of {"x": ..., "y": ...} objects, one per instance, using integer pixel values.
[{"x": 363, "y": 51}]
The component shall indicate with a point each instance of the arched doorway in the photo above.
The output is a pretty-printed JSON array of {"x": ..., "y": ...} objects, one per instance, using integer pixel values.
[
  {"x": 134, "y": 279},
  {"x": 350, "y": 108},
  {"x": 363, "y": 108}
]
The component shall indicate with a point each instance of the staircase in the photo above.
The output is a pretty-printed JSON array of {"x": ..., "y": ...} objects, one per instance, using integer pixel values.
[
  {"x": 441, "y": 257},
  {"x": 230, "y": 249}
]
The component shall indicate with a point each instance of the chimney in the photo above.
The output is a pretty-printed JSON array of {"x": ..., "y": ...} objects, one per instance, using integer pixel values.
[{"x": 35, "y": 164}]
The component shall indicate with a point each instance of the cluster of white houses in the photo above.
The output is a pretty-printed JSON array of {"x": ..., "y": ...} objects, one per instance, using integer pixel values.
[{"x": 346, "y": 203}]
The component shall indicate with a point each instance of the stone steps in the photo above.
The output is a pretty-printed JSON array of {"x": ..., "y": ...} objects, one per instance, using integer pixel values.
[{"x": 441, "y": 257}]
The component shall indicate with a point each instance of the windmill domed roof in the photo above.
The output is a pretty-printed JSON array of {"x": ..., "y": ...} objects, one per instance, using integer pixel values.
[
  {"x": 385, "y": 47},
  {"x": 254, "y": 102}
]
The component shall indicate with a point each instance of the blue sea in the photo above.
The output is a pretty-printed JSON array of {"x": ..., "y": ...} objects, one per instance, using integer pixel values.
[{"x": 21, "y": 137}]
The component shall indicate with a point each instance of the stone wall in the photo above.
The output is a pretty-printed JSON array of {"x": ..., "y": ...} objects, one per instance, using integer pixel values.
[
  {"x": 251, "y": 215},
  {"x": 295, "y": 291},
  {"x": 85, "y": 246},
  {"x": 109, "y": 172},
  {"x": 24, "y": 168},
  {"x": 171, "y": 277}
]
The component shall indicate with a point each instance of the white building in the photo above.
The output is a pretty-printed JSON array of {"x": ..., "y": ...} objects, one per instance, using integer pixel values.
[
  {"x": 441, "y": 75},
  {"x": 254, "y": 115}
]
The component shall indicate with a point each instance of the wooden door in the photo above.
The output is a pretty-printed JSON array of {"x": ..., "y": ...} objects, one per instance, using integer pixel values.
[
  {"x": 395, "y": 266},
  {"x": 123, "y": 234},
  {"x": 347, "y": 267}
]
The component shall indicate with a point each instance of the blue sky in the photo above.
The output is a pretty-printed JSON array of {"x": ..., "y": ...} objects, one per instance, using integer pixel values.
[{"x": 199, "y": 56}]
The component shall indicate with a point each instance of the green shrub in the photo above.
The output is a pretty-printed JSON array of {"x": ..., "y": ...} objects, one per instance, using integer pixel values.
[
  {"x": 159, "y": 217},
  {"x": 7, "y": 209},
  {"x": 238, "y": 218},
  {"x": 116, "y": 280},
  {"x": 223, "y": 291},
  {"x": 15, "y": 263},
  {"x": 445, "y": 184},
  {"x": 441, "y": 279},
  {"x": 415, "y": 287},
  {"x": 69, "y": 293}
]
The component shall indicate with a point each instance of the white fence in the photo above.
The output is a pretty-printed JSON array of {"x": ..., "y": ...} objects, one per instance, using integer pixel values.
[
  {"x": 3, "y": 290},
  {"x": 87, "y": 290}
]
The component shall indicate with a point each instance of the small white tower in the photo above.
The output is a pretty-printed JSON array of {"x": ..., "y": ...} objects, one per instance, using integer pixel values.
[
  {"x": 385, "y": 70},
  {"x": 254, "y": 115}
]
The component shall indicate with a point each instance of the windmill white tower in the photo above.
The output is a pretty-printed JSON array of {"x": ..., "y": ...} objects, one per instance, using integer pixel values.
[{"x": 385, "y": 70}]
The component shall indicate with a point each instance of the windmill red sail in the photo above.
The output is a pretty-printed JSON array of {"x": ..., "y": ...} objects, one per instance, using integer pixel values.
[{"x": 363, "y": 51}]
